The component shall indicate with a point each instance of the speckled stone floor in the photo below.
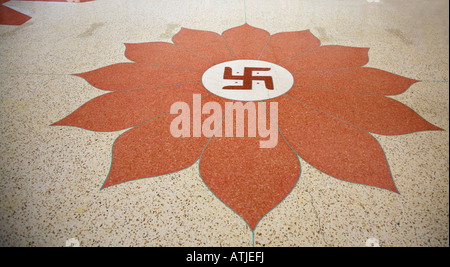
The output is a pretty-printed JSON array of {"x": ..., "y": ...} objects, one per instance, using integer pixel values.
[{"x": 349, "y": 145}]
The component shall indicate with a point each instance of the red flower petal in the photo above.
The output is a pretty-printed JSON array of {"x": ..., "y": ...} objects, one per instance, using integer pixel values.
[
  {"x": 248, "y": 179},
  {"x": 333, "y": 146},
  {"x": 124, "y": 76},
  {"x": 9, "y": 16},
  {"x": 327, "y": 58},
  {"x": 374, "y": 113},
  {"x": 204, "y": 43},
  {"x": 123, "y": 109},
  {"x": 150, "y": 150},
  {"x": 80, "y": 1},
  {"x": 366, "y": 80},
  {"x": 246, "y": 42},
  {"x": 166, "y": 54},
  {"x": 286, "y": 45}
]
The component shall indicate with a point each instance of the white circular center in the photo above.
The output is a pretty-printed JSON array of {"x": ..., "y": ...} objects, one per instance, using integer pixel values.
[{"x": 247, "y": 80}]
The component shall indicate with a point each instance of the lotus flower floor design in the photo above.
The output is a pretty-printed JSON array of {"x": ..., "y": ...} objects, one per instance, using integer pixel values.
[{"x": 327, "y": 118}]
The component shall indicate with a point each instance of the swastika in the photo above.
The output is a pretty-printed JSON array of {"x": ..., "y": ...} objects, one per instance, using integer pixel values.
[{"x": 248, "y": 79}]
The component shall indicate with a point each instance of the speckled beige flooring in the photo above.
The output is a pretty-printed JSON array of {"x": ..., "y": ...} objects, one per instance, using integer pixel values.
[{"x": 50, "y": 177}]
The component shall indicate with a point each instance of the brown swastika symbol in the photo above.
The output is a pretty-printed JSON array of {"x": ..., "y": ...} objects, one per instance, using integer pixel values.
[{"x": 247, "y": 78}]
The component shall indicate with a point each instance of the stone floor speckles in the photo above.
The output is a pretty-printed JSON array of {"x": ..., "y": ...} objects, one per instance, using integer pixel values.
[{"x": 51, "y": 176}]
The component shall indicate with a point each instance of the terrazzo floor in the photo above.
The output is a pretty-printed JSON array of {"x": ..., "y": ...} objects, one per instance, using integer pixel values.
[{"x": 216, "y": 123}]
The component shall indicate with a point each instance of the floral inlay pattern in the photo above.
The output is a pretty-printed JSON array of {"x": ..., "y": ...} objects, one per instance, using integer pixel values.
[{"x": 326, "y": 118}]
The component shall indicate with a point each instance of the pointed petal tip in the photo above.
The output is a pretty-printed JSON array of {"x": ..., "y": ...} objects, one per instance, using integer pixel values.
[
  {"x": 105, "y": 186},
  {"x": 58, "y": 123},
  {"x": 63, "y": 122},
  {"x": 428, "y": 126},
  {"x": 81, "y": 74},
  {"x": 245, "y": 25},
  {"x": 395, "y": 190},
  {"x": 108, "y": 182},
  {"x": 182, "y": 31},
  {"x": 389, "y": 186},
  {"x": 436, "y": 128}
]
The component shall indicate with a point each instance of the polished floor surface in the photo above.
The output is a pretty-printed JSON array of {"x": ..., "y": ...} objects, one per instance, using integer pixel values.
[{"x": 224, "y": 123}]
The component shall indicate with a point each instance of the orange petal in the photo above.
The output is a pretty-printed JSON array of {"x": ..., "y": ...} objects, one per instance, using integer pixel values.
[
  {"x": 374, "y": 113},
  {"x": 124, "y": 76},
  {"x": 150, "y": 150},
  {"x": 9, "y": 16},
  {"x": 79, "y": 1},
  {"x": 333, "y": 146},
  {"x": 246, "y": 42},
  {"x": 286, "y": 45},
  {"x": 365, "y": 80},
  {"x": 123, "y": 109},
  {"x": 204, "y": 43},
  {"x": 248, "y": 179},
  {"x": 327, "y": 58},
  {"x": 166, "y": 54}
]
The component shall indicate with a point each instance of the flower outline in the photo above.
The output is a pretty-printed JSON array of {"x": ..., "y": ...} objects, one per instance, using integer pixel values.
[{"x": 318, "y": 70}]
